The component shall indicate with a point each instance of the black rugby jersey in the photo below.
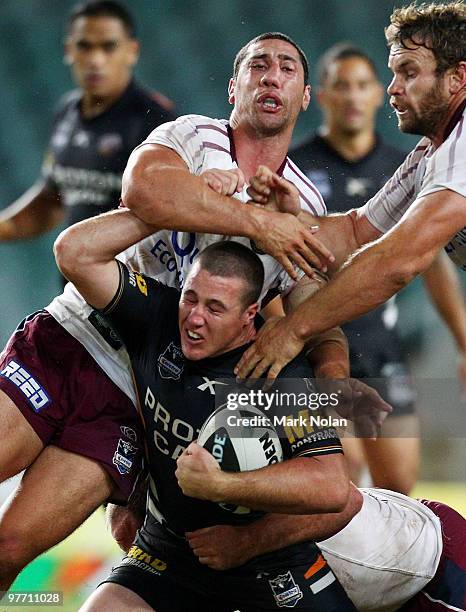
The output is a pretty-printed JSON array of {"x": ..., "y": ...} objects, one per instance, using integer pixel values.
[
  {"x": 86, "y": 157},
  {"x": 345, "y": 185},
  {"x": 177, "y": 395}
]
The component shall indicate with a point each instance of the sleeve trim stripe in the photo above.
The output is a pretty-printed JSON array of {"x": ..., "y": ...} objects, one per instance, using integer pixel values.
[
  {"x": 324, "y": 450},
  {"x": 116, "y": 298}
]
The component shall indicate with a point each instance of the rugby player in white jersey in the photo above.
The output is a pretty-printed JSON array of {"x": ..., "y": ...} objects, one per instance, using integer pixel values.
[{"x": 419, "y": 211}]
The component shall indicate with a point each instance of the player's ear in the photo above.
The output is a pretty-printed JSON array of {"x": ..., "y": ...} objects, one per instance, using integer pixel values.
[
  {"x": 457, "y": 78},
  {"x": 231, "y": 90},
  {"x": 67, "y": 57},
  {"x": 250, "y": 313},
  {"x": 306, "y": 97},
  {"x": 320, "y": 96},
  {"x": 380, "y": 94},
  {"x": 133, "y": 49}
]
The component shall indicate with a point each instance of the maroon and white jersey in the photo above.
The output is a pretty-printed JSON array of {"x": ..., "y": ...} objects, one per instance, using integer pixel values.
[
  {"x": 203, "y": 143},
  {"x": 426, "y": 170}
]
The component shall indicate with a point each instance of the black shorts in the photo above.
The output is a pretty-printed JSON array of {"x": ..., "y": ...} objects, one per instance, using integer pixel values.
[
  {"x": 395, "y": 384},
  {"x": 69, "y": 401},
  {"x": 377, "y": 359},
  {"x": 169, "y": 578}
]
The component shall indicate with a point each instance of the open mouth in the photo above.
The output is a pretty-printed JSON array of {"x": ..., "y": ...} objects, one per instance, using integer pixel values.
[
  {"x": 399, "y": 110},
  {"x": 270, "y": 103},
  {"x": 193, "y": 336}
]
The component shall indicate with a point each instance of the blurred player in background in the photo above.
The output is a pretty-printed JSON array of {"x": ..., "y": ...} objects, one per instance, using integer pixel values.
[
  {"x": 95, "y": 127},
  {"x": 349, "y": 163},
  {"x": 80, "y": 440}
]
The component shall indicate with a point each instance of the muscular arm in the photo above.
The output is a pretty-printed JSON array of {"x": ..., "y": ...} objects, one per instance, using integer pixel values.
[
  {"x": 85, "y": 252},
  {"x": 342, "y": 233},
  {"x": 302, "y": 485},
  {"x": 159, "y": 188},
  {"x": 224, "y": 546},
  {"x": 38, "y": 210},
  {"x": 328, "y": 352},
  {"x": 385, "y": 266}
]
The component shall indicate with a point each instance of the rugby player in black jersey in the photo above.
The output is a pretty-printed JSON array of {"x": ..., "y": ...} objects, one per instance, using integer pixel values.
[
  {"x": 177, "y": 345},
  {"x": 95, "y": 127}
]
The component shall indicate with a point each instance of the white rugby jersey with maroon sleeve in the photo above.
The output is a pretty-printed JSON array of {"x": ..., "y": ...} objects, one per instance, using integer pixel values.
[
  {"x": 426, "y": 170},
  {"x": 203, "y": 143}
]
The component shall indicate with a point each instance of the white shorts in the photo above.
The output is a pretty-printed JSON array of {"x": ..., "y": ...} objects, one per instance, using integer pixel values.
[{"x": 388, "y": 552}]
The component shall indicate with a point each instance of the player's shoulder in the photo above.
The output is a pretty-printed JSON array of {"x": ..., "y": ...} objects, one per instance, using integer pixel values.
[
  {"x": 414, "y": 157},
  {"x": 70, "y": 99},
  {"x": 204, "y": 129},
  {"x": 202, "y": 123},
  {"x": 152, "y": 99},
  {"x": 311, "y": 145},
  {"x": 309, "y": 194}
]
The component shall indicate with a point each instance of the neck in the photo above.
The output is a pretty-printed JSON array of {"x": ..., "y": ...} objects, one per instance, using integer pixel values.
[
  {"x": 439, "y": 135},
  {"x": 246, "y": 336},
  {"x": 254, "y": 150},
  {"x": 350, "y": 146},
  {"x": 93, "y": 105}
]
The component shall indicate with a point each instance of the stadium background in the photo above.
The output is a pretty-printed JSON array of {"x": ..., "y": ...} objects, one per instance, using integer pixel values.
[{"x": 187, "y": 53}]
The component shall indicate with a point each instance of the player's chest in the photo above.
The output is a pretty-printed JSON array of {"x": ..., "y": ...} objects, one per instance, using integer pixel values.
[{"x": 100, "y": 148}]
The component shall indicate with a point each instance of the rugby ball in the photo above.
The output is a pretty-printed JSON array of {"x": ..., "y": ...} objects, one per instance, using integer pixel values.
[{"x": 240, "y": 440}]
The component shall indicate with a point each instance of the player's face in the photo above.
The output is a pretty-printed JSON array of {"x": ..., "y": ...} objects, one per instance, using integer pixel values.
[
  {"x": 269, "y": 92},
  {"x": 350, "y": 96},
  {"x": 212, "y": 319},
  {"x": 418, "y": 95},
  {"x": 101, "y": 54}
]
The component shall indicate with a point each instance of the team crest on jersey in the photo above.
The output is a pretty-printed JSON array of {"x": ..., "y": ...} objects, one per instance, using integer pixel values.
[
  {"x": 124, "y": 456},
  {"x": 128, "y": 432},
  {"x": 285, "y": 590},
  {"x": 109, "y": 144},
  {"x": 171, "y": 362}
]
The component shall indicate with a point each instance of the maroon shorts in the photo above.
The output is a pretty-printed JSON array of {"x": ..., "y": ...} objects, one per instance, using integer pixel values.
[
  {"x": 447, "y": 590},
  {"x": 69, "y": 401}
]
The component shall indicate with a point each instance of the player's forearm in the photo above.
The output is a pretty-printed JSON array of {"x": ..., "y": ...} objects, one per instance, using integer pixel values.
[
  {"x": 341, "y": 233},
  {"x": 275, "y": 531},
  {"x": 442, "y": 283},
  {"x": 303, "y": 485},
  {"x": 34, "y": 213},
  {"x": 174, "y": 199},
  {"x": 97, "y": 241},
  {"x": 328, "y": 354},
  {"x": 372, "y": 276}
]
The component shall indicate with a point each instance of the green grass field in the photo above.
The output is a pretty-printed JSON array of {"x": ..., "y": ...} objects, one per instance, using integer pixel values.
[{"x": 76, "y": 566}]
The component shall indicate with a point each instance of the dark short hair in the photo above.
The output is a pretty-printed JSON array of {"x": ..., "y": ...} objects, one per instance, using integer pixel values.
[
  {"x": 338, "y": 52},
  {"x": 231, "y": 259},
  {"x": 103, "y": 8},
  {"x": 441, "y": 28},
  {"x": 271, "y": 36}
]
